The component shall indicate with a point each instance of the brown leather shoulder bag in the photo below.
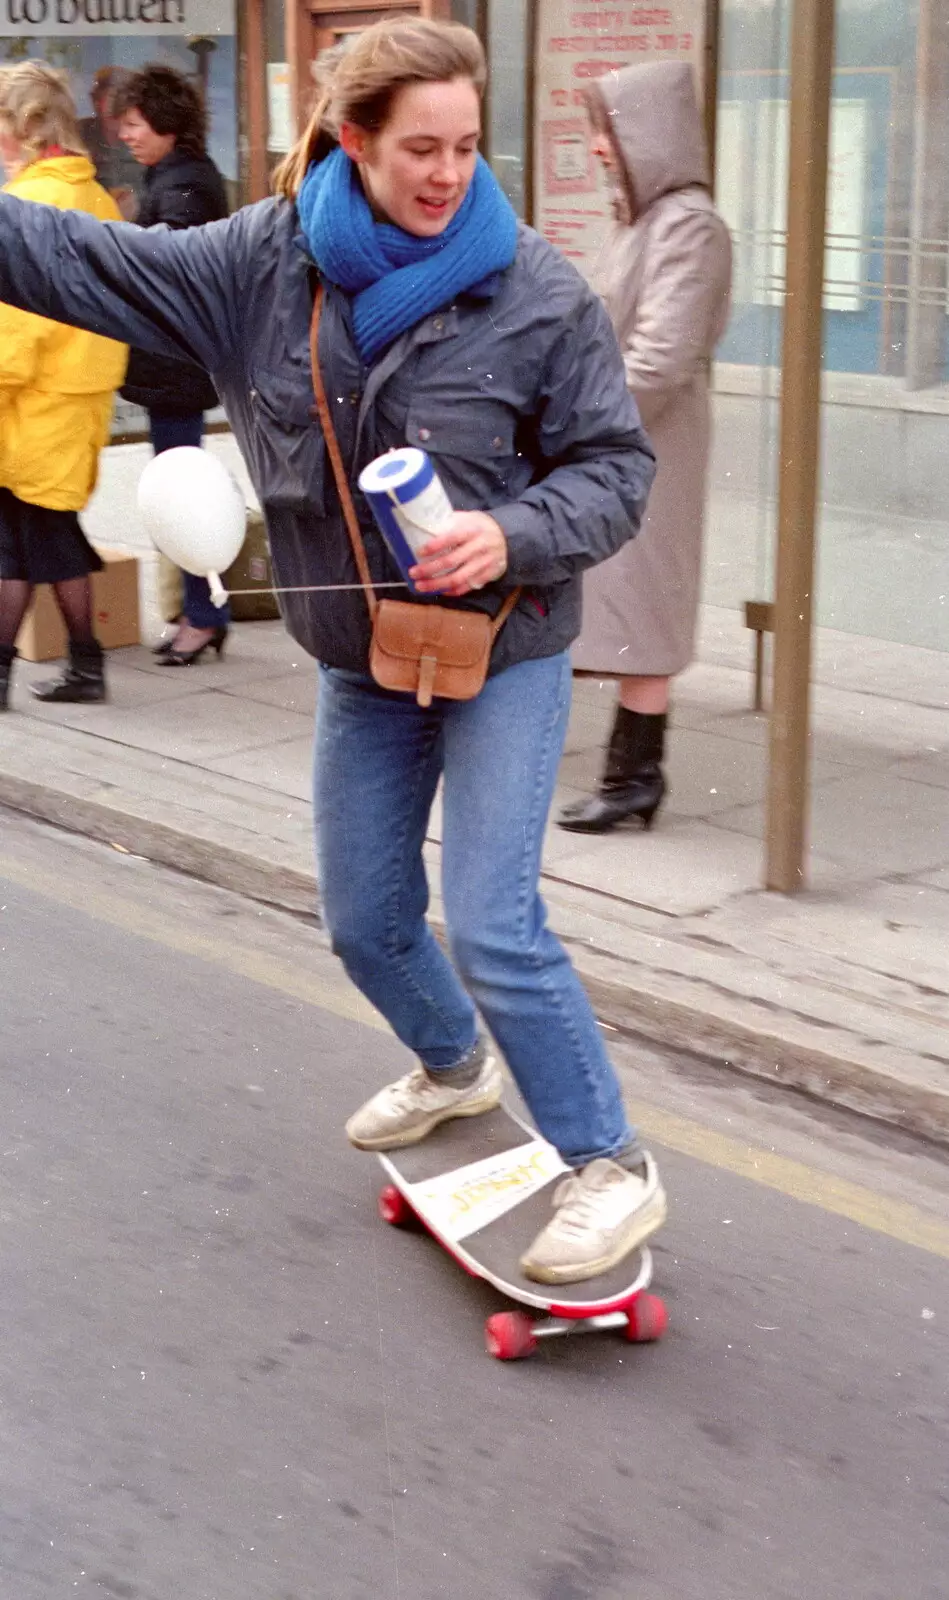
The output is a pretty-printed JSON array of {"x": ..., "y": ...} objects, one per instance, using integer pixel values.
[{"x": 422, "y": 649}]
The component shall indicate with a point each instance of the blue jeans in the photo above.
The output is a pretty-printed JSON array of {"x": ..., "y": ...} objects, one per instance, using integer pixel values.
[
  {"x": 168, "y": 432},
  {"x": 379, "y": 757}
]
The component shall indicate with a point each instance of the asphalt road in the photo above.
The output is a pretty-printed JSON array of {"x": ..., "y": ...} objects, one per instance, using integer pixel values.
[{"x": 224, "y": 1379}]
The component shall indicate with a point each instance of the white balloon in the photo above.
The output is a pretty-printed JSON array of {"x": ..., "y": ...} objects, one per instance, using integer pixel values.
[{"x": 194, "y": 510}]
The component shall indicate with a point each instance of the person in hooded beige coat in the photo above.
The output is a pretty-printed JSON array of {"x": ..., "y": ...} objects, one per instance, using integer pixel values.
[{"x": 665, "y": 276}]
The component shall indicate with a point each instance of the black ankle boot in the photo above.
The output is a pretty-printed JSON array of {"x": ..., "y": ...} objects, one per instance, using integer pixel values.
[
  {"x": 83, "y": 681},
  {"x": 632, "y": 784},
  {"x": 7, "y": 658}
]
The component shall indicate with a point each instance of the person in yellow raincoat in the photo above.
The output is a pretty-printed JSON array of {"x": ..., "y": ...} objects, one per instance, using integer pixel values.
[{"x": 57, "y": 386}]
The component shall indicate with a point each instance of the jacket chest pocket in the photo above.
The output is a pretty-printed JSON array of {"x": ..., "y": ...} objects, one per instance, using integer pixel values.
[
  {"x": 286, "y": 440},
  {"x": 472, "y": 445}
]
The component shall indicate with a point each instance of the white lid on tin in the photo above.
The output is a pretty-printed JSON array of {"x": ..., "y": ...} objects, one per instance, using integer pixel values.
[{"x": 399, "y": 474}]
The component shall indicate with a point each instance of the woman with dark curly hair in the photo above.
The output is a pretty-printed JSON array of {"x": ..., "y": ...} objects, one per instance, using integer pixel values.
[{"x": 162, "y": 121}]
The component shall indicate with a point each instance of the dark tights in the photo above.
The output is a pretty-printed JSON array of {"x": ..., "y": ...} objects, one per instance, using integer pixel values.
[{"x": 74, "y": 598}]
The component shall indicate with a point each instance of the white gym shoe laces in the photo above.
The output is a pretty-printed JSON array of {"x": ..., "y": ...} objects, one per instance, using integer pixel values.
[
  {"x": 407, "y": 1110},
  {"x": 603, "y": 1212}
]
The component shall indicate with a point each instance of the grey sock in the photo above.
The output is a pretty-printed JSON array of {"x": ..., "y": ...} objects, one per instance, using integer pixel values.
[
  {"x": 465, "y": 1073},
  {"x": 633, "y": 1159}
]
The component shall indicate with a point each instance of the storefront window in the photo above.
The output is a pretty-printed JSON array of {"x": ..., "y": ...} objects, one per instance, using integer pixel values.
[
  {"x": 281, "y": 121},
  {"x": 883, "y": 551},
  {"x": 871, "y": 178},
  {"x": 507, "y": 40},
  {"x": 81, "y": 39},
  {"x": 559, "y": 49},
  {"x": 884, "y": 529},
  {"x": 196, "y": 36}
]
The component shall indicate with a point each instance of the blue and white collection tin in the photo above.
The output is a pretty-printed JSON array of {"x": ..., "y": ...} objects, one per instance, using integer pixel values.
[{"x": 408, "y": 502}]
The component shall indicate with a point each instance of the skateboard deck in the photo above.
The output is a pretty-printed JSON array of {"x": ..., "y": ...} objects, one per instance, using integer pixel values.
[{"x": 483, "y": 1187}]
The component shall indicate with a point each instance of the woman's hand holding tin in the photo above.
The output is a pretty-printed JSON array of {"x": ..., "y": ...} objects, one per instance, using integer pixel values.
[{"x": 470, "y": 553}]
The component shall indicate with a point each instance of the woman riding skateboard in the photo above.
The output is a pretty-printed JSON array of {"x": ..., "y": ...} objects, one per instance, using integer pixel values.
[{"x": 444, "y": 323}]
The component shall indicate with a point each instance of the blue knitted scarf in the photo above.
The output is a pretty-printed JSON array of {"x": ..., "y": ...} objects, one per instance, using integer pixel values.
[{"x": 395, "y": 278}]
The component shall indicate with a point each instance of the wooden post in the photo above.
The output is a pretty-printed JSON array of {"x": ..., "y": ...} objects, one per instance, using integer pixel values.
[
  {"x": 482, "y": 29},
  {"x": 532, "y": 27},
  {"x": 255, "y": 55},
  {"x": 812, "y": 52},
  {"x": 298, "y": 27}
]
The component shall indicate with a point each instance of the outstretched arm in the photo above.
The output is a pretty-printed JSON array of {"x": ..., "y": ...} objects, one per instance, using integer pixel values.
[{"x": 171, "y": 293}]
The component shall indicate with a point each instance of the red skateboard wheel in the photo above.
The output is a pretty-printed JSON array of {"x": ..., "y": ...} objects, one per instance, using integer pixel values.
[
  {"x": 509, "y": 1336},
  {"x": 393, "y": 1206},
  {"x": 646, "y": 1319}
]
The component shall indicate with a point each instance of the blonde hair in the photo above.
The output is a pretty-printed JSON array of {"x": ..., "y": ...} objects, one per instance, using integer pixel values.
[
  {"x": 37, "y": 109},
  {"x": 360, "y": 80}
]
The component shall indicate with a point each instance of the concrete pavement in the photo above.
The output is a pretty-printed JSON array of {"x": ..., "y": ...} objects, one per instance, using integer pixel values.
[{"x": 842, "y": 992}]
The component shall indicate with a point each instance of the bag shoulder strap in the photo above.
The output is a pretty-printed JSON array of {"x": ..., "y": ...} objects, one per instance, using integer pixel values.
[
  {"x": 505, "y": 612},
  {"x": 339, "y": 471},
  {"x": 342, "y": 482}
]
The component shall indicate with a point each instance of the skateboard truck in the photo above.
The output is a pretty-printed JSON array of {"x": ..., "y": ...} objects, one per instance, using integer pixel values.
[{"x": 513, "y": 1335}]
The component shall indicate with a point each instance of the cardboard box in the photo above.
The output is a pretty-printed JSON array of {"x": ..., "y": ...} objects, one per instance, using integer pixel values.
[
  {"x": 171, "y": 589},
  {"x": 252, "y": 571},
  {"x": 115, "y": 612}
]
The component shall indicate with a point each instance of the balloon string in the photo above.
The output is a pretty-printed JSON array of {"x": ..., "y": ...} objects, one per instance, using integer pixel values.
[{"x": 311, "y": 588}]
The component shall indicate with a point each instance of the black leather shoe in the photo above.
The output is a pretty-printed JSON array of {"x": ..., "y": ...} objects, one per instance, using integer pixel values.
[
  {"x": 82, "y": 683},
  {"x": 641, "y": 798},
  {"x": 632, "y": 785},
  {"x": 187, "y": 658}
]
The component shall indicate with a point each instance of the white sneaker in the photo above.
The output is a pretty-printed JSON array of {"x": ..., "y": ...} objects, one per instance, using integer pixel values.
[
  {"x": 407, "y": 1110},
  {"x": 603, "y": 1213}
]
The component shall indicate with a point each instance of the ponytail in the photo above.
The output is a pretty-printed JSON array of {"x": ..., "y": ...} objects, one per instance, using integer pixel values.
[{"x": 315, "y": 145}]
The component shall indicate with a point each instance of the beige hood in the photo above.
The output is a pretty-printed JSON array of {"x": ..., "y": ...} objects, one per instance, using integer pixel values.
[{"x": 654, "y": 118}]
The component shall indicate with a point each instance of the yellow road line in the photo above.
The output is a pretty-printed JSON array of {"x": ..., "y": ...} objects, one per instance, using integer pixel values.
[
  {"x": 878, "y": 1212},
  {"x": 894, "y": 1218},
  {"x": 336, "y": 995}
]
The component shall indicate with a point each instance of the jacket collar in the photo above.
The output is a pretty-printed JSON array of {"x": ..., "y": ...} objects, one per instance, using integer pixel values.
[
  {"x": 67, "y": 167},
  {"x": 174, "y": 159}
]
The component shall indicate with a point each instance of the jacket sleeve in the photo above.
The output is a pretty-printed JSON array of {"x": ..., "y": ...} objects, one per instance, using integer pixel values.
[
  {"x": 600, "y": 464},
  {"x": 681, "y": 309},
  {"x": 171, "y": 293}
]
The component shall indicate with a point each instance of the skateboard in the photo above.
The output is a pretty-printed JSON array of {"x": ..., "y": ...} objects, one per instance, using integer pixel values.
[{"x": 482, "y": 1186}]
